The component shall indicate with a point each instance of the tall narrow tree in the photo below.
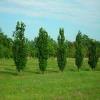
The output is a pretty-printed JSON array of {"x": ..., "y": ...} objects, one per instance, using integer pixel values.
[
  {"x": 42, "y": 45},
  {"x": 92, "y": 56},
  {"x": 19, "y": 47},
  {"x": 78, "y": 52},
  {"x": 61, "y": 50}
]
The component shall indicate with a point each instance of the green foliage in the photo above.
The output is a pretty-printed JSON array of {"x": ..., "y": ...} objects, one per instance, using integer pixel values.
[
  {"x": 61, "y": 50},
  {"x": 85, "y": 43},
  {"x": 19, "y": 47},
  {"x": 92, "y": 56},
  {"x": 70, "y": 49},
  {"x": 98, "y": 48},
  {"x": 5, "y": 46},
  {"x": 31, "y": 50},
  {"x": 52, "y": 47},
  {"x": 42, "y": 45},
  {"x": 2, "y": 51},
  {"x": 78, "y": 52}
]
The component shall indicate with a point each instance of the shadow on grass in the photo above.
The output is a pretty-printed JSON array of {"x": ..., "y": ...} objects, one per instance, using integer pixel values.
[
  {"x": 52, "y": 71},
  {"x": 7, "y": 65},
  {"x": 73, "y": 70},
  {"x": 81, "y": 69},
  {"x": 8, "y": 72},
  {"x": 32, "y": 72},
  {"x": 39, "y": 72},
  {"x": 9, "y": 69},
  {"x": 86, "y": 69}
]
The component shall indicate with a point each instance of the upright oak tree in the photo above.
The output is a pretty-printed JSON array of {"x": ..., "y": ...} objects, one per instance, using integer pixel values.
[
  {"x": 92, "y": 55},
  {"x": 42, "y": 47},
  {"x": 61, "y": 50},
  {"x": 19, "y": 47},
  {"x": 78, "y": 52}
]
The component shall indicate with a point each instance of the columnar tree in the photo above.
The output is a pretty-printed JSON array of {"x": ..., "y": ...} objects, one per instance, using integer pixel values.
[
  {"x": 92, "y": 56},
  {"x": 42, "y": 47},
  {"x": 78, "y": 52},
  {"x": 19, "y": 47},
  {"x": 61, "y": 50}
]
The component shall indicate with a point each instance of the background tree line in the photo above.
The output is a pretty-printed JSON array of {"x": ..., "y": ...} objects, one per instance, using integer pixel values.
[{"x": 6, "y": 46}]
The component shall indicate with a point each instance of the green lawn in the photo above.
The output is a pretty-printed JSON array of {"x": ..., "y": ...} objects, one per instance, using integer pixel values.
[{"x": 53, "y": 85}]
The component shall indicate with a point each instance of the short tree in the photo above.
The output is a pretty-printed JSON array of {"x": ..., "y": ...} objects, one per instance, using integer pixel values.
[
  {"x": 19, "y": 47},
  {"x": 78, "y": 52},
  {"x": 61, "y": 50},
  {"x": 92, "y": 56},
  {"x": 42, "y": 46}
]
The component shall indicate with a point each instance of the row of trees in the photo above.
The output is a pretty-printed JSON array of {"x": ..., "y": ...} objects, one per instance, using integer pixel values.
[
  {"x": 43, "y": 46},
  {"x": 91, "y": 48},
  {"x": 6, "y": 50},
  {"x": 6, "y": 47}
]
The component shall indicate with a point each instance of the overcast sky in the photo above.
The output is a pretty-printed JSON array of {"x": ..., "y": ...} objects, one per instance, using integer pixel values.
[{"x": 72, "y": 15}]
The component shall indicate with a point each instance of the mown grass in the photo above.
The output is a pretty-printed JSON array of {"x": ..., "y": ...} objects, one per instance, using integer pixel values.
[{"x": 53, "y": 85}]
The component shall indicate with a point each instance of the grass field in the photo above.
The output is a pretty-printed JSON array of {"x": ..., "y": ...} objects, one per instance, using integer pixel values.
[{"x": 53, "y": 85}]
